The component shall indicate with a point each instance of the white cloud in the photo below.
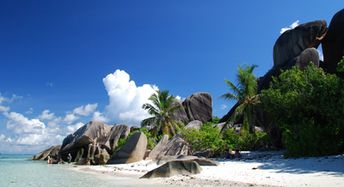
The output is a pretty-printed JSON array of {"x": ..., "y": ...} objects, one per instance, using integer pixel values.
[
  {"x": 85, "y": 110},
  {"x": 20, "y": 124},
  {"x": 4, "y": 108},
  {"x": 292, "y": 26},
  {"x": 2, "y": 137},
  {"x": 179, "y": 98},
  {"x": 125, "y": 98},
  {"x": 70, "y": 118},
  {"x": 224, "y": 107},
  {"x": 2, "y": 99},
  {"x": 46, "y": 115},
  {"x": 98, "y": 116},
  {"x": 30, "y": 111},
  {"x": 34, "y": 134},
  {"x": 73, "y": 128},
  {"x": 13, "y": 98}
]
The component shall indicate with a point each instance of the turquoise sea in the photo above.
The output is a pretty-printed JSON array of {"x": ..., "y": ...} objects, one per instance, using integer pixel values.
[{"x": 20, "y": 171}]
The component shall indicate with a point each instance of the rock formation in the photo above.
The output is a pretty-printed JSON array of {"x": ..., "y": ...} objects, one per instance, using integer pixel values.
[
  {"x": 333, "y": 43},
  {"x": 177, "y": 167},
  {"x": 292, "y": 42},
  {"x": 195, "y": 124},
  {"x": 92, "y": 133},
  {"x": 116, "y": 132},
  {"x": 176, "y": 146},
  {"x": 51, "y": 151},
  {"x": 199, "y": 107},
  {"x": 132, "y": 151},
  {"x": 180, "y": 114},
  {"x": 159, "y": 148}
]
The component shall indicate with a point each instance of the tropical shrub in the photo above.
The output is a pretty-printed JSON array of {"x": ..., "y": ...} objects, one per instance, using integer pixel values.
[
  {"x": 308, "y": 106},
  {"x": 245, "y": 141},
  {"x": 207, "y": 138}
]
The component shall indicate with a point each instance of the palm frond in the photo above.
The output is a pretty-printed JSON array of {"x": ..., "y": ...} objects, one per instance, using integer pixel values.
[
  {"x": 148, "y": 122},
  {"x": 230, "y": 96}
]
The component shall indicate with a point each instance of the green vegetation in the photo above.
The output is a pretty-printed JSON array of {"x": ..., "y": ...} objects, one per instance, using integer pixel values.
[
  {"x": 245, "y": 93},
  {"x": 210, "y": 138},
  {"x": 151, "y": 139},
  {"x": 207, "y": 138},
  {"x": 308, "y": 106},
  {"x": 258, "y": 140},
  {"x": 340, "y": 66},
  {"x": 162, "y": 109}
]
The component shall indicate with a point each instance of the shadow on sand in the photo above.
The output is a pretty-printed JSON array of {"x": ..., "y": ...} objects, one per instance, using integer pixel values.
[{"x": 331, "y": 165}]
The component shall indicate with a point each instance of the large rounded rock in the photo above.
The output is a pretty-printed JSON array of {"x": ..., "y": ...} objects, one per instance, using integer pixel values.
[
  {"x": 176, "y": 167},
  {"x": 199, "y": 107},
  {"x": 195, "y": 124},
  {"x": 292, "y": 42},
  {"x": 309, "y": 55},
  {"x": 132, "y": 151},
  {"x": 92, "y": 133},
  {"x": 333, "y": 44},
  {"x": 52, "y": 151}
]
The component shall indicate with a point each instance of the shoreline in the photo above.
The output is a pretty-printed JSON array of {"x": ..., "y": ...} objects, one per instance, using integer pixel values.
[{"x": 262, "y": 171}]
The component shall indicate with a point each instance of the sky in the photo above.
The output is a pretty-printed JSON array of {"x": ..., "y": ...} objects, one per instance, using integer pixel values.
[{"x": 64, "y": 63}]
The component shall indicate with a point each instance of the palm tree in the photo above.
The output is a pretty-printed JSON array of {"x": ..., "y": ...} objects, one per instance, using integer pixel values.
[
  {"x": 162, "y": 110},
  {"x": 245, "y": 93}
]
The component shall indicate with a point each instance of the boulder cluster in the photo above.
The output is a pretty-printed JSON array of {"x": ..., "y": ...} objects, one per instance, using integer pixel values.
[{"x": 96, "y": 143}]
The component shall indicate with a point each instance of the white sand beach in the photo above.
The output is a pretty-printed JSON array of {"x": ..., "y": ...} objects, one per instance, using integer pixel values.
[{"x": 266, "y": 171}]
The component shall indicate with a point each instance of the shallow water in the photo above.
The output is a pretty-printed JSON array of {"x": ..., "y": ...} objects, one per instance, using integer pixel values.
[{"x": 20, "y": 171}]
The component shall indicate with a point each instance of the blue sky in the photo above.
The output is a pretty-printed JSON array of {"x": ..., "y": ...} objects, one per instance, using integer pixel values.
[{"x": 59, "y": 58}]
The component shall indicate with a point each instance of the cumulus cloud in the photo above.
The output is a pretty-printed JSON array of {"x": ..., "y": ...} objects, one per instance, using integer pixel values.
[
  {"x": 98, "y": 116},
  {"x": 70, "y": 118},
  {"x": 85, "y": 110},
  {"x": 2, "y": 99},
  {"x": 4, "y": 108},
  {"x": 30, "y": 111},
  {"x": 34, "y": 134},
  {"x": 292, "y": 26},
  {"x": 46, "y": 115},
  {"x": 20, "y": 124},
  {"x": 73, "y": 128},
  {"x": 125, "y": 98},
  {"x": 2, "y": 137}
]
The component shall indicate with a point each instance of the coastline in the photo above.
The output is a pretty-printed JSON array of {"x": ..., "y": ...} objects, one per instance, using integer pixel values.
[{"x": 266, "y": 171}]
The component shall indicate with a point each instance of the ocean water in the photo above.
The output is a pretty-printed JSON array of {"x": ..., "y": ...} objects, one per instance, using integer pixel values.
[{"x": 20, "y": 171}]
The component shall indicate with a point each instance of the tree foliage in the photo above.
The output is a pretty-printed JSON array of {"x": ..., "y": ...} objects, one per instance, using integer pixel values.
[
  {"x": 308, "y": 106},
  {"x": 162, "y": 109},
  {"x": 245, "y": 93}
]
